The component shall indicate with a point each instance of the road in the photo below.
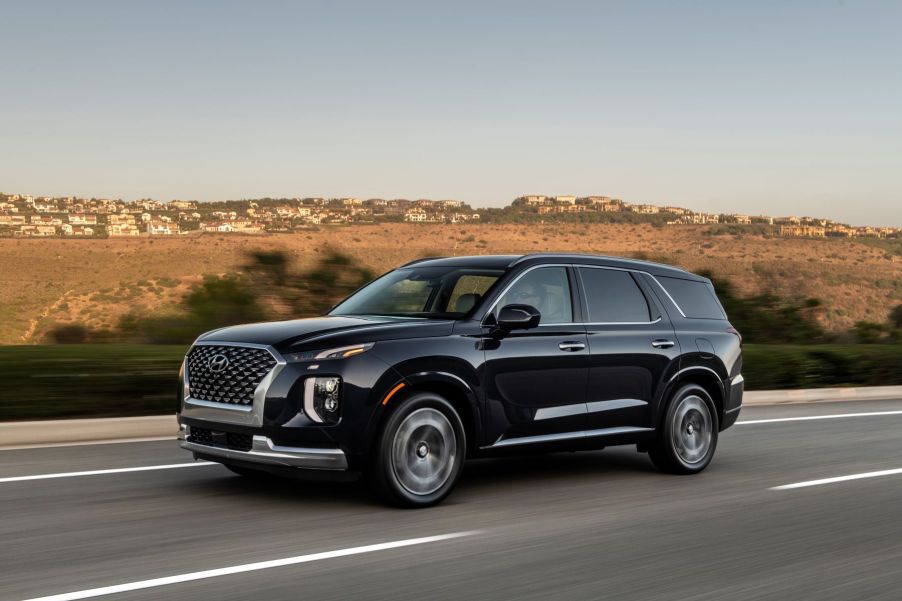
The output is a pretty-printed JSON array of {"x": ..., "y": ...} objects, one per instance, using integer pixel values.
[{"x": 599, "y": 525}]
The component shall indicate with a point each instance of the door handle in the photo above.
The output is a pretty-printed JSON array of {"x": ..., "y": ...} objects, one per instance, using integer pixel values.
[
  {"x": 571, "y": 346},
  {"x": 662, "y": 343}
]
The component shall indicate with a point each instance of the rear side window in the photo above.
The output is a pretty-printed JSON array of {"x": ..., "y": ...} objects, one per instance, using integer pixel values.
[
  {"x": 696, "y": 299},
  {"x": 613, "y": 296}
]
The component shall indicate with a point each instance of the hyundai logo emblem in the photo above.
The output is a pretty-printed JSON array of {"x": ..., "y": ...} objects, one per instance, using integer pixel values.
[{"x": 218, "y": 363}]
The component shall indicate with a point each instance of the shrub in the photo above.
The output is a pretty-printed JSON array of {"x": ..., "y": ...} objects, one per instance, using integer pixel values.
[{"x": 69, "y": 333}]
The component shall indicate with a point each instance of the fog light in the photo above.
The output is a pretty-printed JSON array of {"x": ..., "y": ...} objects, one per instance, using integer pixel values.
[{"x": 322, "y": 399}]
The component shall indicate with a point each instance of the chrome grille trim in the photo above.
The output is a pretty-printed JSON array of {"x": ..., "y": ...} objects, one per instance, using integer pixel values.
[
  {"x": 245, "y": 367},
  {"x": 250, "y": 414}
]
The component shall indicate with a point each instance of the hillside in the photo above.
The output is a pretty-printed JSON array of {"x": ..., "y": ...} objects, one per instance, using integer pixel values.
[{"x": 43, "y": 282}]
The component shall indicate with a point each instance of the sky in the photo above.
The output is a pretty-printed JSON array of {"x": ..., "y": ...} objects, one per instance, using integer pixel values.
[{"x": 757, "y": 107}]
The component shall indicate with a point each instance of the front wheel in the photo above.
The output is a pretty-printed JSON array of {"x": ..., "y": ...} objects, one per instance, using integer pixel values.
[
  {"x": 687, "y": 436},
  {"x": 420, "y": 452}
]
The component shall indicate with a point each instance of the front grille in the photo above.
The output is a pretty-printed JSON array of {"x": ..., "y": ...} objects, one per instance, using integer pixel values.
[
  {"x": 239, "y": 442},
  {"x": 201, "y": 436},
  {"x": 231, "y": 380},
  {"x": 229, "y": 440}
]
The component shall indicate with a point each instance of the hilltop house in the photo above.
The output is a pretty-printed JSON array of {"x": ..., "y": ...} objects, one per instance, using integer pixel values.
[
  {"x": 82, "y": 219},
  {"x": 161, "y": 228},
  {"x": 76, "y": 230},
  {"x": 122, "y": 230},
  {"x": 36, "y": 231}
]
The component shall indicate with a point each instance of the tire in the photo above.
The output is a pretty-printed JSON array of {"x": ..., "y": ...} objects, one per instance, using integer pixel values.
[
  {"x": 419, "y": 452},
  {"x": 687, "y": 436}
]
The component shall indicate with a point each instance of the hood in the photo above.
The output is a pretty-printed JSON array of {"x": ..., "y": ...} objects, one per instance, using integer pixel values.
[{"x": 321, "y": 332}]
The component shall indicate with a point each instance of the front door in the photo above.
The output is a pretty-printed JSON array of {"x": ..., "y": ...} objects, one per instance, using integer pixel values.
[{"x": 535, "y": 379}]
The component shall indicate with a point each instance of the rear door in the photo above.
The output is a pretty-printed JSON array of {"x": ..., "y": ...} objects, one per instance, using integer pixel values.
[{"x": 633, "y": 349}]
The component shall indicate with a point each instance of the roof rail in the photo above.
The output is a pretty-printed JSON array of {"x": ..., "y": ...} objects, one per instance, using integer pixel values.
[
  {"x": 559, "y": 254},
  {"x": 420, "y": 260},
  {"x": 591, "y": 256}
]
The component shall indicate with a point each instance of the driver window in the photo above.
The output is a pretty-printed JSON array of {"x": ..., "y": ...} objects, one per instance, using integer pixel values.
[{"x": 546, "y": 289}]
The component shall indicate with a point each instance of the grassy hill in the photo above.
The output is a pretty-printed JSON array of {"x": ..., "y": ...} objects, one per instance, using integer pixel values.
[{"x": 43, "y": 282}]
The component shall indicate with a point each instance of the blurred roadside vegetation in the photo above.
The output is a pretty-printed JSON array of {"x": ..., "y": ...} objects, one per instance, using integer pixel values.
[
  {"x": 116, "y": 380},
  {"x": 134, "y": 372},
  {"x": 268, "y": 287}
]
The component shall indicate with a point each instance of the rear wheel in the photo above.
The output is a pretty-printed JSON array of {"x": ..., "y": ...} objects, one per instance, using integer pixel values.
[
  {"x": 687, "y": 437},
  {"x": 420, "y": 452}
]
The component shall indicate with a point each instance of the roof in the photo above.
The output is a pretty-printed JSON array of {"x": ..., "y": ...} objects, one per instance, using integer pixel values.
[{"x": 508, "y": 261}]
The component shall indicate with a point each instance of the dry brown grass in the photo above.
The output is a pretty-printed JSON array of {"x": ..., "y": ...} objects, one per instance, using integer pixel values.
[{"x": 95, "y": 281}]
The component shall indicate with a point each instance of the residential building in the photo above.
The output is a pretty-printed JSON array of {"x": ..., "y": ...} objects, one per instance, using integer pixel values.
[
  {"x": 809, "y": 231},
  {"x": 36, "y": 231},
  {"x": 82, "y": 219},
  {"x": 161, "y": 228},
  {"x": 122, "y": 230}
]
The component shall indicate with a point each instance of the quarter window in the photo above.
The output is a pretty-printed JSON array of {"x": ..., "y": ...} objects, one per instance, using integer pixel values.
[
  {"x": 696, "y": 299},
  {"x": 613, "y": 296},
  {"x": 547, "y": 289}
]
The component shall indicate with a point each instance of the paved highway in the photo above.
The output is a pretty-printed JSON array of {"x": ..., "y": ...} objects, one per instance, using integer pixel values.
[{"x": 600, "y": 525}]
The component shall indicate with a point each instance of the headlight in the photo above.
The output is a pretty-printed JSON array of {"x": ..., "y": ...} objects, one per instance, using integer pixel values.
[
  {"x": 343, "y": 352},
  {"x": 322, "y": 399}
]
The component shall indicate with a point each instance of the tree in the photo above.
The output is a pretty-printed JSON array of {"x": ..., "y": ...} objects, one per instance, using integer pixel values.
[
  {"x": 69, "y": 333},
  {"x": 895, "y": 317}
]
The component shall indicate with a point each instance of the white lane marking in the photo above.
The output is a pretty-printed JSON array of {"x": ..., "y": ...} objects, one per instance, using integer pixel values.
[
  {"x": 250, "y": 567},
  {"x": 85, "y": 443},
  {"x": 811, "y": 417},
  {"x": 122, "y": 470},
  {"x": 838, "y": 479}
]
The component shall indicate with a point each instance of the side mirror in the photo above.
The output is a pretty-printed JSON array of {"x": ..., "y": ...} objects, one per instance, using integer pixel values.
[{"x": 518, "y": 317}]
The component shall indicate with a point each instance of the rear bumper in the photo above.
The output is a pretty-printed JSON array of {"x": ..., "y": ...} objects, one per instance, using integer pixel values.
[
  {"x": 264, "y": 451},
  {"x": 733, "y": 403}
]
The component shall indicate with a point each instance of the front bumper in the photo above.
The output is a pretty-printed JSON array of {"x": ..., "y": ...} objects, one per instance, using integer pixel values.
[{"x": 264, "y": 451}]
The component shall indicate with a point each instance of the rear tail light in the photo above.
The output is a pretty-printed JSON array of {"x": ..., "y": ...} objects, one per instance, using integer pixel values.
[{"x": 734, "y": 331}]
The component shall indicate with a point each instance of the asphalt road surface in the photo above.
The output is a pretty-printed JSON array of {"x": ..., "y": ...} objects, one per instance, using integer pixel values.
[{"x": 599, "y": 525}]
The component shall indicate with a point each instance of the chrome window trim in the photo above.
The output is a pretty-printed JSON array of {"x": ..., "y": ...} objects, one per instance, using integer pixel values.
[
  {"x": 619, "y": 323},
  {"x": 244, "y": 415},
  {"x": 517, "y": 279},
  {"x": 586, "y": 323},
  {"x": 637, "y": 271},
  {"x": 661, "y": 286}
]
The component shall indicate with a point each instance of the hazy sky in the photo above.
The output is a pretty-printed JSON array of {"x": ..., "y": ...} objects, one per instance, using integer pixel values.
[{"x": 755, "y": 107}]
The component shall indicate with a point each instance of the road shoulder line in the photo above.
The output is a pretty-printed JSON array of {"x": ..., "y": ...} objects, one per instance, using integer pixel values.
[{"x": 250, "y": 567}]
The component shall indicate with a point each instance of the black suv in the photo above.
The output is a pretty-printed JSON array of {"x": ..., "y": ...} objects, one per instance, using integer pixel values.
[{"x": 448, "y": 358}]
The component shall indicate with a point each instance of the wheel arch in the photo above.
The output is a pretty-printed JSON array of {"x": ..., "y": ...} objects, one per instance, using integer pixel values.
[
  {"x": 449, "y": 386},
  {"x": 705, "y": 377}
]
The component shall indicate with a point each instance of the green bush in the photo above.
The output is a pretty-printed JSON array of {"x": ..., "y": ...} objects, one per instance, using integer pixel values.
[
  {"x": 774, "y": 367},
  {"x": 88, "y": 380}
]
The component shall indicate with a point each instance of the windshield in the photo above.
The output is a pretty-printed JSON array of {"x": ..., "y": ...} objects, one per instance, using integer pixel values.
[{"x": 444, "y": 292}]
